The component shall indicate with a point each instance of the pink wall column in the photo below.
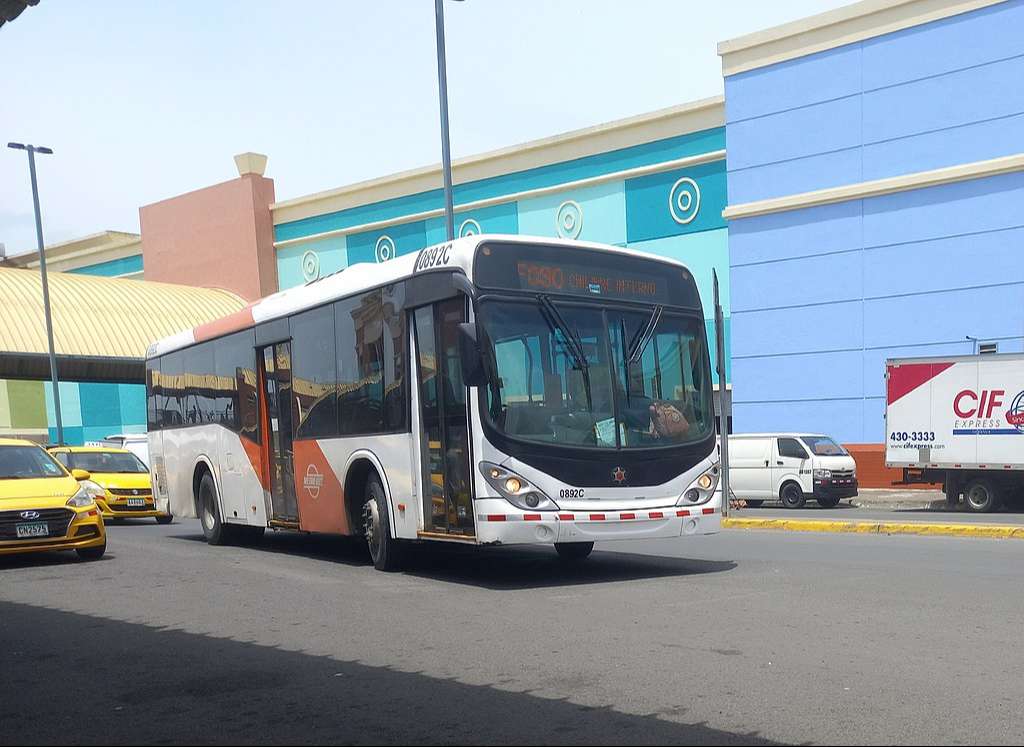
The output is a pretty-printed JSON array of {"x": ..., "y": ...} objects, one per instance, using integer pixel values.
[{"x": 217, "y": 237}]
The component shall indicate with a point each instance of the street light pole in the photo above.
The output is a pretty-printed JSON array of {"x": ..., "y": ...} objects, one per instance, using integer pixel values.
[
  {"x": 32, "y": 150},
  {"x": 442, "y": 84}
]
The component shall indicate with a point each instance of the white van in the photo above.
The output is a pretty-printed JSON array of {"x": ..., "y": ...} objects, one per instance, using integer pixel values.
[
  {"x": 790, "y": 467},
  {"x": 136, "y": 443}
]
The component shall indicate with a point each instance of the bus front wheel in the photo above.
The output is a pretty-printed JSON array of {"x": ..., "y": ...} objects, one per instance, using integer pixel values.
[
  {"x": 385, "y": 550},
  {"x": 574, "y": 551}
]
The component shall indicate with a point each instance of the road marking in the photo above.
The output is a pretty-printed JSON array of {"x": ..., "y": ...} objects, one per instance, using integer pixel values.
[{"x": 991, "y": 531}]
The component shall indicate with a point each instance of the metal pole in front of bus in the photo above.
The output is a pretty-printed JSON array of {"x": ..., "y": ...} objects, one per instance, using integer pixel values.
[
  {"x": 32, "y": 150},
  {"x": 723, "y": 415},
  {"x": 442, "y": 84}
]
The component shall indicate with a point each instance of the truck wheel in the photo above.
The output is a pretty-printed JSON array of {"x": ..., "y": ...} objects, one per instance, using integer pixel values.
[
  {"x": 828, "y": 501},
  {"x": 792, "y": 496},
  {"x": 754, "y": 504},
  {"x": 981, "y": 495},
  {"x": 385, "y": 551}
]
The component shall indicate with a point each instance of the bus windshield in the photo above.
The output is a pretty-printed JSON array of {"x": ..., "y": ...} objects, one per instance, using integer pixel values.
[{"x": 582, "y": 375}]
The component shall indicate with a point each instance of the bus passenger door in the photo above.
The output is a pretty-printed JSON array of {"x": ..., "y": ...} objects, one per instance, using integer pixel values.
[
  {"x": 443, "y": 421},
  {"x": 276, "y": 388}
]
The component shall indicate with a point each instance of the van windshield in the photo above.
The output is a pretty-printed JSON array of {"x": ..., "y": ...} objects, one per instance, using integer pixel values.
[{"x": 824, "y": 446}]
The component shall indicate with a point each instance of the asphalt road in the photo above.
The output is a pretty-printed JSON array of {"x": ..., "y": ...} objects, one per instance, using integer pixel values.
[{"x": 737, "y": 638}]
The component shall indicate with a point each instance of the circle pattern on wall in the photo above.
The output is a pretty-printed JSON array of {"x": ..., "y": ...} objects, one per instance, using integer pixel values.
[
  {"x": 310, "y": 266},
  {"x": 385, "y": 249},
  {"x": 569, "y": 220},
  {"x": 684, "y": 200},
  {"x": 469, "y": 227}
]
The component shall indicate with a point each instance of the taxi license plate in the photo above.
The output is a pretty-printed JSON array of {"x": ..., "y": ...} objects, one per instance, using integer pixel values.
[
  {"x": 37, "y": 529},
  {"x": 136, "y": 502}
]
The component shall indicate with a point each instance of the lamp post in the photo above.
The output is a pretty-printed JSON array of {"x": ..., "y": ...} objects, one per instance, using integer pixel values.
[
  {"x": 32, "y": 150},
  {"x": 442, "y": 84}
]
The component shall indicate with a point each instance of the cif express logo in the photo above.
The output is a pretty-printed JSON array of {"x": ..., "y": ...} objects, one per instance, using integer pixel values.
[
  {"x": 1015, "y": 415},
  {"x": 977, "y": 409},
  {"x": 433, "y": 256}
]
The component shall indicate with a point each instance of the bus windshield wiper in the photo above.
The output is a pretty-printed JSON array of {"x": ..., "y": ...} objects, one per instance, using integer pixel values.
[
  {"x": 572, "y": 341},
  {"x": 642, "y": 338}
]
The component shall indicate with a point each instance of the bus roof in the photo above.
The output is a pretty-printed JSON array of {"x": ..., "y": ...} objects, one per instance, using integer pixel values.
[{"x": 364, "y": 275}]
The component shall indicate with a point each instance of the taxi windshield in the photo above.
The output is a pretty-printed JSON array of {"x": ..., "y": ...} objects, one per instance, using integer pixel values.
[
  {"x": 27, "y": 463},
  {"x": 106, "y": 462}
]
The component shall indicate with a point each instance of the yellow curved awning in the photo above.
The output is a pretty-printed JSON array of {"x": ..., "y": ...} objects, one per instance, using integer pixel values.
[{"x": 103, "y": 320}]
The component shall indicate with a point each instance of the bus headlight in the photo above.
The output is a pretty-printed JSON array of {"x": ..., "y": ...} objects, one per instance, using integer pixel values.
[
  {"x": 701, "y": 489},
  {"x": 516, "y": 489}
]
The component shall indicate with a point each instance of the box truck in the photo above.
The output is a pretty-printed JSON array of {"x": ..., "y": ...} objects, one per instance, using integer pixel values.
[{"x": 958, "y": 422}]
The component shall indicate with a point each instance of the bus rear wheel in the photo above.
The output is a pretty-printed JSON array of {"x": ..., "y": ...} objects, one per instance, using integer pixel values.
[
  {"x": 209, "y": 512},
  {"x": 574, "y": 551},
  {"x": 385, "y": 550}
]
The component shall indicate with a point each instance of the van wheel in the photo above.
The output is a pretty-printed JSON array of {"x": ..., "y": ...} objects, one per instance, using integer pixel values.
[
  {"x": 385, "y": 551},
  {"x": 792, "y": 496},
  {"x": 574, "y": 552},
  {"x": 828, "y": 501},
  {"x": 981, "y": 495},
  {"x": 209, "y": 512},
  {"x": 754, "y": 504}
]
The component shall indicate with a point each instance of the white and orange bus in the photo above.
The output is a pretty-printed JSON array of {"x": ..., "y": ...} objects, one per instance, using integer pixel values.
[{"x": 490, "y": 390}]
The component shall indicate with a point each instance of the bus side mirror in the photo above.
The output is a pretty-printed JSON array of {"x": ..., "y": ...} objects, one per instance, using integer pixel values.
[{"x": 472, "y": 361}]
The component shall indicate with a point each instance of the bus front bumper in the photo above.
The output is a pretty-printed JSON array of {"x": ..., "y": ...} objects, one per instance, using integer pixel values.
[{"x": 508, "y": 526}]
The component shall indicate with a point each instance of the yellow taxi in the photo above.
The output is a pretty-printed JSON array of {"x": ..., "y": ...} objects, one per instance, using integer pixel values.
[
  {"x": 44, "y": 507},
  {"x": 123, "y": 489}
]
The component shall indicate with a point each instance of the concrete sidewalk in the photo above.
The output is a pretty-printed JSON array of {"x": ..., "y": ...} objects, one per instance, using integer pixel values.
[
  {"x": 921, "y": 512},
  {"x": 933, "y": 528}
]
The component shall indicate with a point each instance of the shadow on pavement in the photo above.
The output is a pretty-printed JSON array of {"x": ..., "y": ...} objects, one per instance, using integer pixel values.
[
  {"x": 171, "y": 687},
  {"x": 496, "y": 568}
]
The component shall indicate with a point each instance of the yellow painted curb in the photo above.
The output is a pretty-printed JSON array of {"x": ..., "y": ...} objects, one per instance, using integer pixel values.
[{"x": 992, "y": 531}]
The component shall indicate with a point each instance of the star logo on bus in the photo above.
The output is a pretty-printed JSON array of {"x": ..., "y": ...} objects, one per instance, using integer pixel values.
[{"x": 619, "y": 475}]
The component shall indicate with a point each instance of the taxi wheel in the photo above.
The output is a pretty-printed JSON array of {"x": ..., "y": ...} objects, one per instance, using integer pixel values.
[
  {"x": 92, "y": 553},
  {"x": 574, "y": 551},
  {"x": 209, "y": 512},
  {"x": 164, "y": 519}
]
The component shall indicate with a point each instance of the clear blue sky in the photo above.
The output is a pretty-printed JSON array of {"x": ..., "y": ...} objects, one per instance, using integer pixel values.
[{"x": 145, "y": 100}]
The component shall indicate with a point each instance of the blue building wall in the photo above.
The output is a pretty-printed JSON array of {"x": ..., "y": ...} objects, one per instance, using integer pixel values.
[
  {"x": 91, "y": 411},
  {"x": 822, "y": 296},
  {"x": 113, "y": 268},
  {"x": 675, "y": 213}
]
